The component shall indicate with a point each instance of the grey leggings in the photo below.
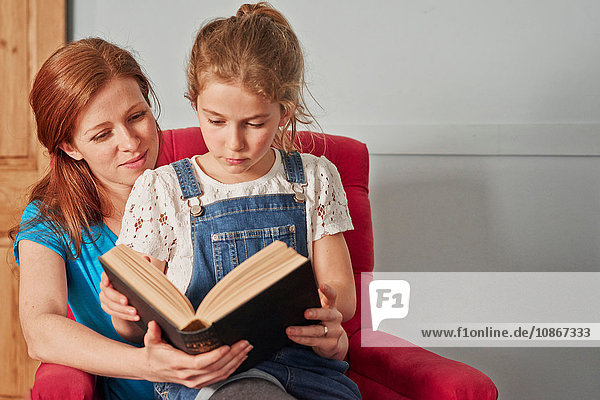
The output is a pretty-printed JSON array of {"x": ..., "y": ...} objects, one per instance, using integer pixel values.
[{"x": 250, "y": 389}]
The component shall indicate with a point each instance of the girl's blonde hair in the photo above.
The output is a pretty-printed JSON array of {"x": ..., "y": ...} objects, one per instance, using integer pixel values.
[{"x": 258, "y": 50}]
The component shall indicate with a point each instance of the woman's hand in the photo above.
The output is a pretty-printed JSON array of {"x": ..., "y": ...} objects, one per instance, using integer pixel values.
[
  {"x": 328, "y": 339},
  {"x": 43, "y": 309},
  {"x": 164, "y": 363}
]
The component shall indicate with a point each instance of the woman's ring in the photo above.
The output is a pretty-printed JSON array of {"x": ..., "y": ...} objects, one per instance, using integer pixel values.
[{"x": 324, "y": 330}]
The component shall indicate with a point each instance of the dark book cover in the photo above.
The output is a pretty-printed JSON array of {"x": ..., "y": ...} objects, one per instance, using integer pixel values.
[{"x": 261, "y": 320}]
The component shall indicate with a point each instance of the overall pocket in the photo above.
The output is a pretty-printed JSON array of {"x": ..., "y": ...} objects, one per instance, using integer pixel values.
[{"x": 232, "y": 248}]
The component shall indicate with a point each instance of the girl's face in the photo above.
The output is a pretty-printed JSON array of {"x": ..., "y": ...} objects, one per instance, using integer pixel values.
[
  {"x": 238, "y": 128},
  {"x": 116, "y": 135}
]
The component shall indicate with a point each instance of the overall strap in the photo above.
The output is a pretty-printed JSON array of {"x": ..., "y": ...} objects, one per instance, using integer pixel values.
[
  {"x": 187, "y": 178},
  {"x": 292, "y": 163}
]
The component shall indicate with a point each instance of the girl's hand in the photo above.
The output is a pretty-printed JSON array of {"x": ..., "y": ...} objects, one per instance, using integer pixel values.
[
  {"x": 123, "y": 316},
  {"x": 328, "y": 339},
  {"x": 164, "y": 363},
  {"x": 114, "y": 303}
]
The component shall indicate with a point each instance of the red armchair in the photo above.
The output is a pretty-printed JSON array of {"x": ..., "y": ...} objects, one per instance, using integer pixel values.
[{"x": 394, "y": 373}]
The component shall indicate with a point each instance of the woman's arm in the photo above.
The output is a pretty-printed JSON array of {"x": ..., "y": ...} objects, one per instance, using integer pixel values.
[
  {"x": 43, "y": 303},
  {"x": 52, "y": 337},
  {"x": 332, "y": 265}
]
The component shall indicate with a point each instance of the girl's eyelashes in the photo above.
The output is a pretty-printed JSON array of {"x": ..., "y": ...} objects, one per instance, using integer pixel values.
[
  {"x": 222, "y": 122},
  {"x": 138, "y": 115}
]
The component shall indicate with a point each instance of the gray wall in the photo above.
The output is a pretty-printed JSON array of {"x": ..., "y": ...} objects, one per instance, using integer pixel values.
[{"x": 482, "y": 122}]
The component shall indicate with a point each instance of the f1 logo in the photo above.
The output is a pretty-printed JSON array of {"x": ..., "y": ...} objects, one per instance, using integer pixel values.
[{"x": 389, "y": 300}]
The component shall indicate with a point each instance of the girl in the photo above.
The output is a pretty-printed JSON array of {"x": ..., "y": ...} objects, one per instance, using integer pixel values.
[
  {"x": 245, "y": 80},
  {"x": 92, "y": 107}
]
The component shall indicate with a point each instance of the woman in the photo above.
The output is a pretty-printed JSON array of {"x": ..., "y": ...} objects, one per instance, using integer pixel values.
[{"x": 92, "y": 109}]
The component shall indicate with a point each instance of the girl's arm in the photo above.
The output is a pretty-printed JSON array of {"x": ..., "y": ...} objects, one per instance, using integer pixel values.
[
  {"x": 122, "y": 315},
  {"x": 332, "y": 266},
  {"x": 54, "y": 338},
  {"x": 115, "y": 304},
  {"x": 333, "y": 270},
  {"x": 328, "y": 339}
]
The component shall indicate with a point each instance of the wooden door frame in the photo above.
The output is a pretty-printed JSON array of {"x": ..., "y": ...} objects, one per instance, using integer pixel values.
[{"x": 45, "y": 31}]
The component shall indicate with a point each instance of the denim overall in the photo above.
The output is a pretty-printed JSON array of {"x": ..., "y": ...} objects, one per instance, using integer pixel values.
[{"x": 227, "y": 232}]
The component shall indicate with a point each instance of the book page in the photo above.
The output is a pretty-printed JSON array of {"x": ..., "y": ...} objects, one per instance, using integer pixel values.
[
  {"x": 252, "y": 276},
  {"x": 261, "y": 273}
]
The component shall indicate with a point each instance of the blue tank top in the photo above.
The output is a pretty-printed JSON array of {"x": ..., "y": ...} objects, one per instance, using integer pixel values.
[{"x": 83, "y": 283}]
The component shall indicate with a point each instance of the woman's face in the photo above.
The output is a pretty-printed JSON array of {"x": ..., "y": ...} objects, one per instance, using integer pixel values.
[{"x": 116, "y": 135}]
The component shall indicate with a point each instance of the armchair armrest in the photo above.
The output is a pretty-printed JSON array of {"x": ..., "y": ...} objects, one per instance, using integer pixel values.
[
  {"x": 413, "y": 372},
  {"x": 57, "y": 382}
]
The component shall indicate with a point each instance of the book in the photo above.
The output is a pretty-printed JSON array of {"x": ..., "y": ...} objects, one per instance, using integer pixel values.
[{"x": 256, "y": 301}]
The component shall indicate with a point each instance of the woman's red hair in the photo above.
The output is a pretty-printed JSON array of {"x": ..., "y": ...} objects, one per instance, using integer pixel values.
[{"x": 69, "y": 197}]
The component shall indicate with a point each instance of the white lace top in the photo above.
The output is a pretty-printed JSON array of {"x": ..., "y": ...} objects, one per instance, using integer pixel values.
[{"x": 157, "y": 219}]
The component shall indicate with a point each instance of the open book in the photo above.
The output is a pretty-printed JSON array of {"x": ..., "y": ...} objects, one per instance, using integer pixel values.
[{"x": 256, "y": 301}]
